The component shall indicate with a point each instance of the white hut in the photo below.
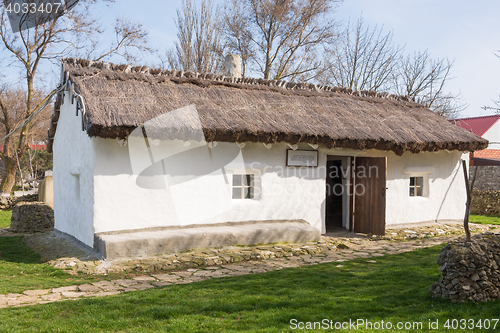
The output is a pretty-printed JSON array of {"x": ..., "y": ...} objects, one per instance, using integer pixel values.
[{"x": 150, "y": 161}]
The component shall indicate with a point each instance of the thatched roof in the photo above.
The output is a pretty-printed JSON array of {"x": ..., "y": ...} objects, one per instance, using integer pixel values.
[{"x": 119, "y": 98}]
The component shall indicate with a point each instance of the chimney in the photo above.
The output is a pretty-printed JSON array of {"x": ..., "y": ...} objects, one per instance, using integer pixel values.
[{"x": 232, "y": 66}]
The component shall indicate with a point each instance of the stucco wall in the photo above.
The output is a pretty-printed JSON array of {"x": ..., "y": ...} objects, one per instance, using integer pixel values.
[
  {"x": 493, "y": 135},
  {"x": 445, "y": 196},
  {"x": 191, "y": 198},
  {"x": 125, "y": 200},
  {"x": 73, "y": 176}
]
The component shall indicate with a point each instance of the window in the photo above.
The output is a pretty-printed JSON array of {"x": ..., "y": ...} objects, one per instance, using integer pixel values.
[
  {"x": 243, "y": 186},
  {"x": 416, "y": 186}
]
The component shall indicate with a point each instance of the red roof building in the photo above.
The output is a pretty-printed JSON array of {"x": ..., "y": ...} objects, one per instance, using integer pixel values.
[{"x": 487, "y": 127}]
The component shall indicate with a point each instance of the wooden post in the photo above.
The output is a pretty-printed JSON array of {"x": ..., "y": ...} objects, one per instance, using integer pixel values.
[{"x": 469, "y": 199}]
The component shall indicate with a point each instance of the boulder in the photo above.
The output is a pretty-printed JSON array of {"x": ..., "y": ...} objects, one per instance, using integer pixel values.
[{"x": 32, "y": 216}]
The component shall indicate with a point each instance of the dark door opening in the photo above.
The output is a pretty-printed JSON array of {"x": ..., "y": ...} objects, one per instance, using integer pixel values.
[{"x": 333, "y": 195}]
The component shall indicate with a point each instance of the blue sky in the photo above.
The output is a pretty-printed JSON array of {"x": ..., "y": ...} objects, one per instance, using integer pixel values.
[{"x": 467, "y": 32}]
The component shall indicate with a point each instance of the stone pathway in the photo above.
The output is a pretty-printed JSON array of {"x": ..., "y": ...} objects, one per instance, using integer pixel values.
[{"x": 220, "y": 263}]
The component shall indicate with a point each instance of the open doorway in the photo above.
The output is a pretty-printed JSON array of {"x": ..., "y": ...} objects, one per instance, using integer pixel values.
[{"x": 334, "y": 194}]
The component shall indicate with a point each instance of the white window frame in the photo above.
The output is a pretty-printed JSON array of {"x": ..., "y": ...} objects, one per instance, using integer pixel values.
[
  {"x": 423, "y": 171},
  {"x": 243, "y": 186},
  {"x": 415, "y": 186}
]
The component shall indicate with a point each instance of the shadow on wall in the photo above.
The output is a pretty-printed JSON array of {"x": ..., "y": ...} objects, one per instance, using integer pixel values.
[{"x": 448, "y": 189}]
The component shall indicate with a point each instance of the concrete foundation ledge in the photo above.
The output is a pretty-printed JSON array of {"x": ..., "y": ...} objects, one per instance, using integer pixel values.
[{"x": 152, "y": 242}]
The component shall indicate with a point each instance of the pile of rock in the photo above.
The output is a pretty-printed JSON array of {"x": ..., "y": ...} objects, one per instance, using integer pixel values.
[
  {"x": 470, "y": 270},
  {"x": 10, "y": 202},
  {"x": 32, "y": 216}
]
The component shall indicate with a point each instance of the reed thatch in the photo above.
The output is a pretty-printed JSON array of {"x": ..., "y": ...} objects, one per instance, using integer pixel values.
[{"x": 119, "y": 98}]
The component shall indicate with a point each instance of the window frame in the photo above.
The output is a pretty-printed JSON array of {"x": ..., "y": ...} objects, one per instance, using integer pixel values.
[
  {"x": 415, "y": 187},
  {"x": 251, "y": 181}
]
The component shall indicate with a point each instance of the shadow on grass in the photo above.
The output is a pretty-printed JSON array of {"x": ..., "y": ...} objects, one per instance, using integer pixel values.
[
  {"x": 14, "y": 249},
  {"x": 395, "y": 288}
]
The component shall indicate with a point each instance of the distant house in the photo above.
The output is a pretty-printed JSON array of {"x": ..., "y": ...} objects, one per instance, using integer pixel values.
[
  {"x": 141, "y": 154},
  {"x": 487, "y": 127}
]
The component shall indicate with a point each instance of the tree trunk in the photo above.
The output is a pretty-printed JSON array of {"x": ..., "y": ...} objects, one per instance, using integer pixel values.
[{"x": 9, "y": 177}]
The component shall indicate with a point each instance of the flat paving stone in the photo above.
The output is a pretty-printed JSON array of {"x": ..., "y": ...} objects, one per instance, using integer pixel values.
[
  {"x": 183, "y": 274},
  {"x": 237, "y": 273},
  {"x": 27, "y": 299},
  {"x": 13, "y": 296},
  {"x": 204, "y": 273},
  {"x": 51, "y": 297},
  {"x": 61, "y": 289},
  {"x": 125, "y": 283},
  {"x": 36, "y": 292},
  {"x": 143, "y": 286},
  {"x": 111, "y": 287},
  {"x": 103, "y": 284},
  {"x": 144, "y": 278},
  {"x": 327, "y": 260},
  {"x": 72, "y": 294},
  {"x": 104, "y": 293},
  {"x": 167, "y": 277},
  {"x": 234, "y": 267},
  {"x": 312, "y": 260},
  {"x": 88, "y": 288},
  {"x": 161, "y": 284}
]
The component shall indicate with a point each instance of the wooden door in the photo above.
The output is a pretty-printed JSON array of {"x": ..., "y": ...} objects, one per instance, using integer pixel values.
[{"x": 369, "y": 194}]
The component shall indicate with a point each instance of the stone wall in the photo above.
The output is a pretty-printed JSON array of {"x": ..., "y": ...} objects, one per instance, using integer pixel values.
[
  {"x": 487, "y": 178},
  {"x": 32, "y": 216},
  {"x": 470, "y": 271},
  {"x": 485, "y": 203},
  {"x": 10, "y": 202}
]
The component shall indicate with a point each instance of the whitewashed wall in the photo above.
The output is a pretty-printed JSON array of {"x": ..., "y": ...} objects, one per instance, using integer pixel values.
[
  {"x": 193, "y": 199},
  {"x": 100, "y": 186},
  {"x": 493, "y": 135},
  {"x": 73, "y": 176},
  {"x": 282, "y": 192},
  {"x": 445, "y": 197}
]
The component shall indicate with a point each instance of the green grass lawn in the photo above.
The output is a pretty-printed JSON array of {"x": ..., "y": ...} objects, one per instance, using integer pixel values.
[
  {"x": 483, "y": 219},
  {"x": 394, "y": 289},
  {"x": 5, "y": 216},
  {"x": 21, "y": 269}
]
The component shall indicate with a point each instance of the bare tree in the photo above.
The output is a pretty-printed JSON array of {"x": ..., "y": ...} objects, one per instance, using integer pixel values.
[
  {"x": 423, "y": 78},
  {"x": 495, "y": 108},
  {"x": 237, "y": 31},
  {"x": 282, "y": 38},
  {"x": 200, "y": 46},
  {"x": 13, "y": 111},
  {"x": 361, "y": 59},
  {"x": 48, "y": 40},
  {"x": 130, "y": 38}
]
